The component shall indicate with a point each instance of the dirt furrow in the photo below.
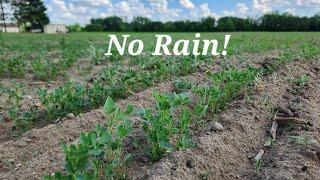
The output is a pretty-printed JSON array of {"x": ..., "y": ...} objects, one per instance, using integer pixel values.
[{"x": 295, "y": 153}]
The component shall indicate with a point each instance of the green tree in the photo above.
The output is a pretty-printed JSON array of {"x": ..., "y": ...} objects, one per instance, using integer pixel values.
[
  {"x": 207, "y": 24},
  {"x": 30, "y": 11},
  {"x": 140, "y": 24},
  {"x": 95, "y": 25},
  {"x": 74, "y": 28},
  {"x": 273, "y": 21},
  {"x": 3, "y": 14},
  {"x": 226, "y": 24},
  {"x": 114, "y": 23},
  {"x": 315, "y": 23}
]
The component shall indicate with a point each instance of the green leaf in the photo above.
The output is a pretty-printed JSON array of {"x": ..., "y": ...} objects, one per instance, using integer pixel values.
[
  {"x": 79, "y": 177},
  {"x": 58, "y": 175},
  {"x": 47, "y": 177},
  {"x": 109, "y": 106},
  {"x": 141, "y": 112},
  {"x": 96, "y": 152},
  {"x": 93, "y": 138},
  {"x": 114, "y": 146},
  {"x": 128, "y": 158},
  {"x": 201, "y": 110},
  {"x": 84, "y": 139},
  {"x": 109, "y": 171},
  {"x": 64, "y": 147},
  {"x": 105, "y": 138},
  {"x": 130, "y": 109},
  {"x": 165, "y": 145},
  {"x": 99, "y": 129}
]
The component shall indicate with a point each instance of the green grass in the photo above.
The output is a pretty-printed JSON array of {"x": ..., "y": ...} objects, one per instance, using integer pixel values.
[{"x": 240, "y": 41}]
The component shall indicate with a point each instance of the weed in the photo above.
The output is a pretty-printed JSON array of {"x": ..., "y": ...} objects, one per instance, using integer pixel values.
[
  {"x": 15, "y": 94},
  {"x": 181, "y": 85},
  {"x": 44, "y": 70},
  {"x": 97, "y": 55},
  {"x": 16, "y": 66},
  {"x": 63, "y": 100},
  {"x": 270, "y": 142},
  {"x": 258, "y": 165},
  {"x": 303, "y": 140},
  {"x": 205, "y": 175},
  {"x": 226, "y": 86},
  {"x": 302, "y": 80}
]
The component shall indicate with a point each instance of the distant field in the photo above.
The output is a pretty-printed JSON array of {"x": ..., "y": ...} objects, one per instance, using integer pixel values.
[
  {"x": 240, "y": 41},
  {"x": 53, "y": 86}
]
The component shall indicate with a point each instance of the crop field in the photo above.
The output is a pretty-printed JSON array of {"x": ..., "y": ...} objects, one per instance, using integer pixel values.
[{"x": 67, "y": 111}]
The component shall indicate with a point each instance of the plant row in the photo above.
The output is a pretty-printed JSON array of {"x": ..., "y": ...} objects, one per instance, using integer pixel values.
[
  {"x": 42, "y": 66},
  {"x": 113, "y": 81}
]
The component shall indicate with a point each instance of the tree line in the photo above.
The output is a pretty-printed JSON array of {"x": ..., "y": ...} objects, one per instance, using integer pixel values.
[{"x": 273, "y": 21}]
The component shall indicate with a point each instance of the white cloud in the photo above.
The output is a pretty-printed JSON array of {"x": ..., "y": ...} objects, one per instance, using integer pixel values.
[
  {"x": 242, "y": 9},
  {"x": 161, "y": 11},
  {"x": 187, "y": 4},
  {"x": 298, "y": 7},
  {"x": 96, "y": 3},
  {"x": 205, "y": 11},
  {"x": 262, "y": 6},
  {"x": 72, "y": 11},
  {"x": 124, "y": 6},
  {"x": 60, "y": 4},
  {"x": 129, "y": 9},
  {"x": 309, "y": 2}
]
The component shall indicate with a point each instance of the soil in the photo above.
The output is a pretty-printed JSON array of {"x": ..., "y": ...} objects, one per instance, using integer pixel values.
[{"x": 226, "y": 154}]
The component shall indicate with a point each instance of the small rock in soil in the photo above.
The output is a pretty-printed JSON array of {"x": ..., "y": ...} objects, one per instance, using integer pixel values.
[
  {"x": 70, "y": 116},
  {"x": 29, "y": 98},
  {"x": 174, "y": 168},
  {"x": 190, "y": 164},
  {"x": 217, "y": 127},
  {"x": 306, "y": 128},
  {"x": 304, "y": 168},
  {"x": 289, "y": 112},
  {"x": 28, "y": 140},
  {"x": 286, "y": 96}
]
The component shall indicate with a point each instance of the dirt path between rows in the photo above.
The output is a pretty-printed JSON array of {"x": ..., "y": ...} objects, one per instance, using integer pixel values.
[{"x": 287, "y": 158}]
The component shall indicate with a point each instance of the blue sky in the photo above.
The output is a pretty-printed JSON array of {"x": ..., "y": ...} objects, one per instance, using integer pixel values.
[{"x": 80, "y": 11}]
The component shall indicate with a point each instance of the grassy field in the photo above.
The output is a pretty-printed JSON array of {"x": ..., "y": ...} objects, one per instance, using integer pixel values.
[{"x": 53, "y": 83}]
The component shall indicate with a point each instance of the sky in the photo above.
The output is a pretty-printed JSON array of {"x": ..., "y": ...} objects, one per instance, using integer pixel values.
[{"x": 81, "y": 11}]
